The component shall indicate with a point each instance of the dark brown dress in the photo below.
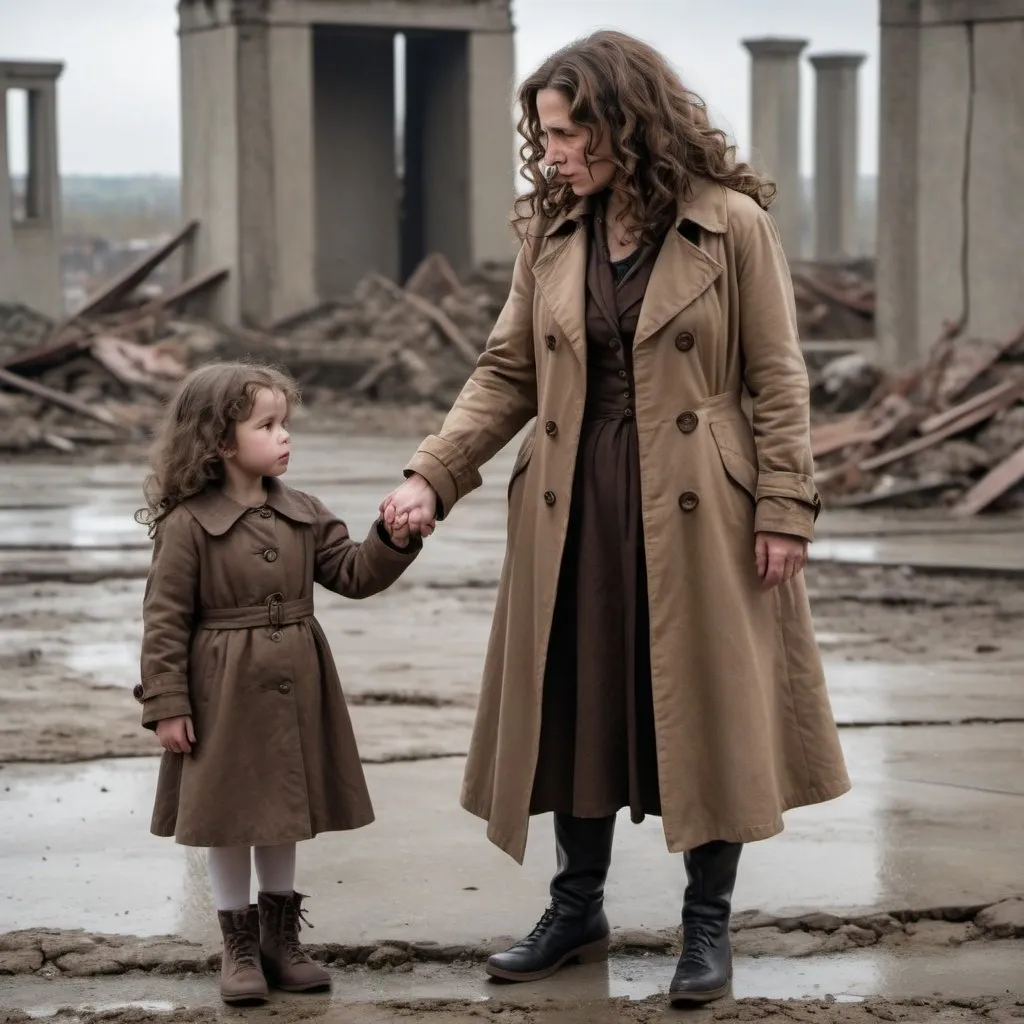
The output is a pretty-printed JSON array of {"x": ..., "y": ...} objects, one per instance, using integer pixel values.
[{"x": 597, "y": 744}]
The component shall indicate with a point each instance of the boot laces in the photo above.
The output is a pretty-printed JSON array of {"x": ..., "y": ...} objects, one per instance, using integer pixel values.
[
  {"x": 697, "y": 945},
  {"x": 293, "y": 920},
  {"x": 242, "y": 949},
  {"x": 546, "y": 919}
]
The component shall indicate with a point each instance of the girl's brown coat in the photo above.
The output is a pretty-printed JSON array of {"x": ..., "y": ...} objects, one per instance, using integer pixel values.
[
  {"x": 231, "y": 640},
  {"x": 743, "y": 721}
]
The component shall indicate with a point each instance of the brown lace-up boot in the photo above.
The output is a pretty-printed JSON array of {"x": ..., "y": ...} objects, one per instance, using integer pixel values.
[
  {"x": 286, "y": 964},
  {"x": 241, "y": 977}
]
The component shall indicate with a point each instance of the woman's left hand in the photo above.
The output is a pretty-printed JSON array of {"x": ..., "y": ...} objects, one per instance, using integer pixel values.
[{"x": 780, "y": 557}]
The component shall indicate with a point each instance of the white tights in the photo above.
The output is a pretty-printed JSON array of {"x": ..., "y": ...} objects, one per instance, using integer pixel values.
[{"x": 231, "y": 872}]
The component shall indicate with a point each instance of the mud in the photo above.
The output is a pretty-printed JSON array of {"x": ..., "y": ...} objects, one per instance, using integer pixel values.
[
  {"x": 992, "y": 1010},
  {"x": 53, "y": 953},
  {"x": 68, "y": 654}
]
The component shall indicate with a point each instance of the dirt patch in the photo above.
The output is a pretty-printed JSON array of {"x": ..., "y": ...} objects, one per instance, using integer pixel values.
[
  {"x": 917, "y": 1011},
  {"x": 78, "y": 954},
  {"x": 68, "y": 655}
]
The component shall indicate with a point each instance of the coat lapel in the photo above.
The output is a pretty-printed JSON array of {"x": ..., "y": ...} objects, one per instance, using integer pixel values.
[
  {"x": 561, "y": 278},
  {"x": 683, "y": 271},
  {"x": 681, "y": 274}
]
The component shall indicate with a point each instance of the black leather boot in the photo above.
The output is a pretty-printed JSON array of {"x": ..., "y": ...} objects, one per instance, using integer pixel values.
[
  {"x": 704, "y": 972},
  {"x": 574, "y": 927}
]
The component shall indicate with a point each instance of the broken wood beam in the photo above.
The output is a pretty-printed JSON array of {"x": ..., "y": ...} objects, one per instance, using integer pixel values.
[
  {"x": 939, "y": 420},
  {"x": 191, "y": 288},
  {"x": 995, "y": 483},
  {"x": 951, "y": 429},
  {"x": 30, "y": 387},
  {"x": 112, "y": 294},
  {"x": 445, "y": 325}
]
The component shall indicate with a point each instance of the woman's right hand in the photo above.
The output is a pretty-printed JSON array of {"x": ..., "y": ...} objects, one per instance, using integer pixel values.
[
  {"x": 417, "y": 499},
  {"x": 176, "y": 734}
]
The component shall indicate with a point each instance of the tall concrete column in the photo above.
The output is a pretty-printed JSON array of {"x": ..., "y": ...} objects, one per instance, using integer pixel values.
[
  {"x": 30, "y": 245},
  {"x": 491, "y": 141},
  {"x": 8, "y": 267},
  {"x": 950, "y": 219},
  {"x": 775, "y": 129},
  {"x": 836, "y": 170}
]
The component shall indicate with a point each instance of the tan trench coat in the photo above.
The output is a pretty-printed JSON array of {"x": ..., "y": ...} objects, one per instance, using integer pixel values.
[
  {"x": 231, "y": 640},
  {"x": 743, "y": 721}
]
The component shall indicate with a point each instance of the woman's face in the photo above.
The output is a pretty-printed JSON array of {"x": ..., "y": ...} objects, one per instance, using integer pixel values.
[{"x": 565, "y": 146}]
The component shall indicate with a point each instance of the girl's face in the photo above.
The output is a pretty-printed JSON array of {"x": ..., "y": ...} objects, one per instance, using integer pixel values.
[
  {"x": 565, "y": 146},
  {"x": 262, "y": 443}
]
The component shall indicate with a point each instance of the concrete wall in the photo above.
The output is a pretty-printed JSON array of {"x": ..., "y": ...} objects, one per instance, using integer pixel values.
[
  {"x": 950, "y": 218},
  {"x": 356, "y": 179},
  {"x": 437, "y": 161},
  {"x": 30, "y": 247}
]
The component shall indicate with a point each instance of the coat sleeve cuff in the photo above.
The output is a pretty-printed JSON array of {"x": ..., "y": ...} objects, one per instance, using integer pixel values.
[
  {"x": 446, "y": 469},
  {"x": 787, "y": 485},
  {"x": 166, "y": 705},
  {"x": 775, "y": 514},
  {"x": 380, "y": 542}
]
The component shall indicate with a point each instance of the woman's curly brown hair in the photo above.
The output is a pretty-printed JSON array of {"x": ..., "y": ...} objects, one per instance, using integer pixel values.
[
  {"x": 661, "y": 135},
  {"x": 198, "y": 425}
]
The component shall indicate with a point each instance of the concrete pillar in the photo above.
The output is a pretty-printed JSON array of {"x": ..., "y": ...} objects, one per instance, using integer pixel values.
[
  {"x": 30, "y": 246},
  {"x": 775, "y": 129},
  {"x": 950, "y": 219},
  {"x": 491, "y": 141},
  {"x": 8, "y": 268},
  {"x": 289, "y": 142},
  {"x": 836, "y": 170}
]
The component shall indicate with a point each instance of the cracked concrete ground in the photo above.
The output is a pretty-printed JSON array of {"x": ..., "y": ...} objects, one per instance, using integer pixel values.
[{"x": 906, "y": 893}]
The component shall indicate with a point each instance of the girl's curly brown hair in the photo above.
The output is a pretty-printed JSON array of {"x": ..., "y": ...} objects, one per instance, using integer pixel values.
[
  {"x": 661, "y": 136},
  {"x": 198, "y": 425}
]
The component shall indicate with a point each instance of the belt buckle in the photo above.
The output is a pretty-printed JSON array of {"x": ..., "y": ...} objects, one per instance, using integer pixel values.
[{"x": 273, "y": 604}]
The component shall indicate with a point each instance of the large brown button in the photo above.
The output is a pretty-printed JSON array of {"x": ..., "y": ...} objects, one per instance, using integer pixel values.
[
  {"x": 549, "y": 497},
  {"x": 613, "y": 344},
  {"x": 687, "y": 422},
  {"x": 551, "y": 428},
  {"x": 137, "y": 692},
  {"x": 688, "y": 501},
  {"x": 684, "y": 341},
  {"x": 623, "y": 375},
  {"x": 265, "y": 512},
  {"x": 277, "y": 636},
  {"x": 284, "y": 687},
  {"x": 270, "y": 555},
  {"x": 550, "y": 341}
]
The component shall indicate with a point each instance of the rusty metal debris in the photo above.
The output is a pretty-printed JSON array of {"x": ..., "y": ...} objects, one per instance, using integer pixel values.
[{"x": 948, "y": 433}]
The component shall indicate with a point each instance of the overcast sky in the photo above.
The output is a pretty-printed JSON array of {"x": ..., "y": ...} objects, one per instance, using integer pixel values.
[{"x": 119, "y": 92}]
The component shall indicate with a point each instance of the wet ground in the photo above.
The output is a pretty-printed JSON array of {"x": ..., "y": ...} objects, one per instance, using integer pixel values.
[{"x": 909, "y": 888}]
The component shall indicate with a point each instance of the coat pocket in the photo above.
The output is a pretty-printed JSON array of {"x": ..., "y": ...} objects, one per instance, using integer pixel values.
[
  {"x": 522, "y": 459},
  {"x": 737, "y": 465}
]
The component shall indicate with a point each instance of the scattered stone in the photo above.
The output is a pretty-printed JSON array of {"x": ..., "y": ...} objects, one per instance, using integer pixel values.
[
  {"x": 1003, "y": 920},
  {"x": 773, "y": 942},
  {"x": 20, "y": 961},
  {"x": 390, "y": 956}
]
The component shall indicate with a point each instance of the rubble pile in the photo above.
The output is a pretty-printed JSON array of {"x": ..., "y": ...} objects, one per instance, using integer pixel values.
[
  {"x": 948, "y": 433},
  {"x": 835, "y": 301},
  {"x": 103, "y": 375}
]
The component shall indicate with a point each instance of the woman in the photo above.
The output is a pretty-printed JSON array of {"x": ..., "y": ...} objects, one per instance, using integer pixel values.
[{"x": 652, "y": 644}]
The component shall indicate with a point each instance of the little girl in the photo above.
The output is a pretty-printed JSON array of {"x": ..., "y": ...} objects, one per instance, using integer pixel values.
[{"x": 237, "y": 677}]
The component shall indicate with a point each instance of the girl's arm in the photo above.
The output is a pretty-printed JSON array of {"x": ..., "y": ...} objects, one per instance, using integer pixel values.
[
  {"x": 355, "y": 569},
  {"x": 168, "y": 613}
]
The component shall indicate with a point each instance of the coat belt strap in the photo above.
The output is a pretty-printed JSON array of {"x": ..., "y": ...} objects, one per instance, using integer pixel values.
[{"x": 274, "y": 612}]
